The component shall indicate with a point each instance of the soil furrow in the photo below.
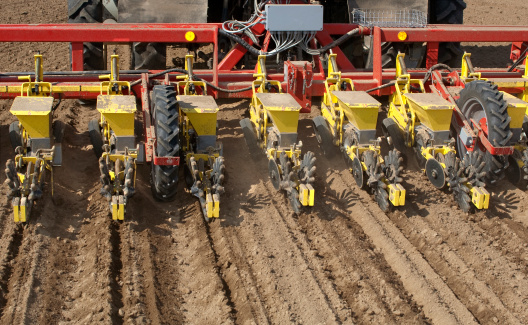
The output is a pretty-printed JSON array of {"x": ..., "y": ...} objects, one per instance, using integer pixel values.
[
  {"x": 271, "y": 262},
  {"x": 21, "y": 284},
  {"x": 419, "y": 278},
  {"x": 334, "y": 237},
  {"x": 9, "y": 250},
  {"x": 170, "y": 274},
  {"x": 461, "y": 246},
  {"x": 325, "y": 285},
  {"x": 116, "y": 271}
]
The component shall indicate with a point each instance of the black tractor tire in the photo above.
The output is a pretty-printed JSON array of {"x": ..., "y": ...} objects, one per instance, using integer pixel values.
[
  {"x": 96, "y": 138},
  {"x": 480, "y": 99},
  {"x": 448, "y": 12},
  {"x": 151, "y": 56},
  {"x": 164, "y": 179},
  {"x": 14, "y": 135},
  {"x": 86, "y": 12}
]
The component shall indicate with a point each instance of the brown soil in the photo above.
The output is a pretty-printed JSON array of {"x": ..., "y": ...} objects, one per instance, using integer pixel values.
[{"x": 344, "y": 261}]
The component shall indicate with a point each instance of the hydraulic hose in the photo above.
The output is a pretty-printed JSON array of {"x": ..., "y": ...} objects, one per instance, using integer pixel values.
[{"x": 254, "y": 51}]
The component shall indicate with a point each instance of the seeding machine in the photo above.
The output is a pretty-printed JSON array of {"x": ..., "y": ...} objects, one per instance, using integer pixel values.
[{"x": 467, "y": 128}]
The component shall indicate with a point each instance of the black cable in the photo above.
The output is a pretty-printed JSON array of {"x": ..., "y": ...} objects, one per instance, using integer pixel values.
[
  {"x": 427, "y": 75},
  {"x": 58, "y": 103},
  {"x": 436, "y": 67},
  {"x": 256, "y": 52},
  {"x": 521, "y": 58},
  {"x": 241, "y": 41},
  {"x": 392, "y": 83},
  {"x": 338, "y": 41}
]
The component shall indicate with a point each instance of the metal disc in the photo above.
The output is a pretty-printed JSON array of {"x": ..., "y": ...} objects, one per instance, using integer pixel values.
[
  {"x": 250, "y": 136},
  {"x": 189, "y": 180},
  {"x": 294, "y": 201},
  {"x": 464, "y": 201},
  {"x": 390, "y": 128},
  {"x": 513, "y": 172},
  {"x": 382, "y": 198},
  {"x": 435, "y": 173},
  {"x": 274, "y": 174},
  {"x": 357, "y": 172},
  {"x": 324, "y": 137}
]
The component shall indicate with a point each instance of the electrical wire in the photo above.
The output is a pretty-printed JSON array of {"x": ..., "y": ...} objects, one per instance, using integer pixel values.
[
  {"x": 283, "y": 40},
  {"x": 438, "y": 66}
]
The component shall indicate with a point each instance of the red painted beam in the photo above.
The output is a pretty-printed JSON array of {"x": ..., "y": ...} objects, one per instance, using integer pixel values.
[
  {"x": 111, "y": 33},
  {"x": 457, "y": 33}
]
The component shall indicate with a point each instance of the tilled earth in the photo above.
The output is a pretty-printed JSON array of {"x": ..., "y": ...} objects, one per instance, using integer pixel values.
[{"x": 344, "y": 261}]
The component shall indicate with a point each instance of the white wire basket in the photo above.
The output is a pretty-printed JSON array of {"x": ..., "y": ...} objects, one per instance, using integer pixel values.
[{"x": 389, "y": 18}]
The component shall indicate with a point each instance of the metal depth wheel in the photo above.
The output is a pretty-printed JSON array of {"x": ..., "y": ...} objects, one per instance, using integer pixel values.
[
  {"x": 514, "y": 172},
  {"x": 324, "y": 136},
  {"x": 274, "y": 174},
  {"x": 421, "y": 141},
  {"x": 482, "y": 102},
  {"x": 474, "y": 165},
  {"x": 293, "y": 196},
  {"x": 357, "y": 172},
  {"x": 14, "y": 135},
  {"x": 250, "y": 136},
  {"x": 456, "y": 179},
  {"x": 392, "y": 167},
  {"x": 390, "y": 129},
  {"x": 525, "y": 161},
  {"x": 375, "y": 174},
  {"x": 306, "y": 173},
  {"x": 382, "y": 198},
  {"x": 94, "y": 131},
  {"x": 218, "y": 175}
]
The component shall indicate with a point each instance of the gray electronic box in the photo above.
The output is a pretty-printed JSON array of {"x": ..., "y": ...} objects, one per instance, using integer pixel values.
[{"x": 294, "y": 18}]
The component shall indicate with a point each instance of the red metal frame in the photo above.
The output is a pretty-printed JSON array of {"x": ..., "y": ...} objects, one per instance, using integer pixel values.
[
  {"x": 224, "y": 73},
  {"x": 517, "y": 49},
  {"x": 226, "y": 76},
  {"x": 301, "y": 80}
]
